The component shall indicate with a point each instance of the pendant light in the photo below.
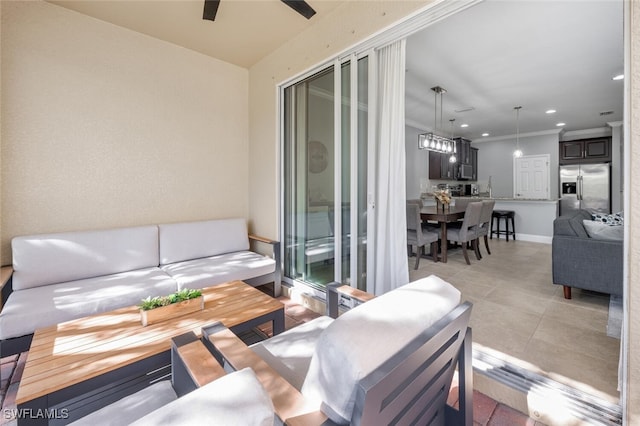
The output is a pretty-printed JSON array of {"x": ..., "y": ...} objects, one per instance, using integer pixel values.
[
  {"x": 432, "y": 141},
  {"x": 518, "y": 152},
  {"x": 452, "y": 158}
]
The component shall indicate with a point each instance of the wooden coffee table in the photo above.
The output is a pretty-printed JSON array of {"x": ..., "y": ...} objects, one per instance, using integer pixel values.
[{"x": 78, "y": 366}]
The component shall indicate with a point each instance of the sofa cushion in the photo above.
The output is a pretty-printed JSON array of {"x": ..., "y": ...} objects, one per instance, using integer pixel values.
[
  {"x": 235, "y": 399},
  {"x": 33, "y": 308},
  {"x": 360, "y": 340},
  {"x": 209, "y": 271},
  {"x": 40, "y": 260},
  {"x": 132, "y": 407},
  {"x": 193, "y": 240},
  {"x": 603, "y": 231}
]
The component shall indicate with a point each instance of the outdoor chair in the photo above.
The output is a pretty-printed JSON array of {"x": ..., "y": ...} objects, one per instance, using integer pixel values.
[{"x": 388, "y": 360}]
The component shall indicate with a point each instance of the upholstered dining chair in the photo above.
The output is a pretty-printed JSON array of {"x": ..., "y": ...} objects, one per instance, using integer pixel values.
[
  {"x": 419, "y": 236},
  {"x": 483, "y": 229},
  {"x": 466, "y": 232}
]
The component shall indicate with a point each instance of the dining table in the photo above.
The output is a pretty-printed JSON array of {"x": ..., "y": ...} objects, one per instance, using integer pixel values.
[{"x": 443, "y": 216}]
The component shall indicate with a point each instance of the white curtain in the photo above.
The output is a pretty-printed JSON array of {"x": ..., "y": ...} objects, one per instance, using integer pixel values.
[{"x": 391, "y": 265}]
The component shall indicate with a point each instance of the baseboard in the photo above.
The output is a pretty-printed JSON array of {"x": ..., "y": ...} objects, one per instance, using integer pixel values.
[{"x": 534, "y": 238}]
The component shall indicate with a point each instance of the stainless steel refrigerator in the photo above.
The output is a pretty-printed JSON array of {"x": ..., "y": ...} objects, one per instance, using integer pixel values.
[{"x": 585, "y": 186}]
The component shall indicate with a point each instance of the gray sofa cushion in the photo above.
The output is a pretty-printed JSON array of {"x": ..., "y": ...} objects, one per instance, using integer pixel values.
[
  {"x": 33, "y": 308},
  {"x": 603, "y": 231},
  {"x": 194, "y": 240},
  {"x": 210, "y": 271},
  {"x": 40, "y": 260}
]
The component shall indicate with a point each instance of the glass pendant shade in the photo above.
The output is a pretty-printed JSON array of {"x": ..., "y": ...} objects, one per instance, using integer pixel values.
[
  {"x": 433, "y": 141},
  {"x": 518, "y": 152}
]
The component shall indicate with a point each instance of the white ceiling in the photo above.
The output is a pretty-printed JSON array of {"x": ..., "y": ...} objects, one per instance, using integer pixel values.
[
  {"x": 536, "y": 54},
  {"x": 244, "y": 31}
]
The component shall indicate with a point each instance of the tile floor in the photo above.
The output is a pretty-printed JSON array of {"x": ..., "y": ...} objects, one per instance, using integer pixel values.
[
  {"x": 487, "y": 412},
  {"x": 520, "y": 315}
]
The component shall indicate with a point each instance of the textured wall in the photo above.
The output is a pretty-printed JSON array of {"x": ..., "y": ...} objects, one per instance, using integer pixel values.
[
  {"x": 104, "y": 127},
  {"x": 632, "y": 220}
]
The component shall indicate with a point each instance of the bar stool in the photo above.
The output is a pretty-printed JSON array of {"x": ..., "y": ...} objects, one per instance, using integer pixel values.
[{"x": 506, "y": 215}]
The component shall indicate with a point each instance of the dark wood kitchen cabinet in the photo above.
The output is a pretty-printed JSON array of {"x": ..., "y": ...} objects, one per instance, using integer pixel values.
[
  {"x": 440, "y": 167},
  {"x": 585, "y": 150}
]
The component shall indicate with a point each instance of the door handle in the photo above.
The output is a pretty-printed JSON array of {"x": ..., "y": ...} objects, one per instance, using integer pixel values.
[{"x": 580, "y": 188}]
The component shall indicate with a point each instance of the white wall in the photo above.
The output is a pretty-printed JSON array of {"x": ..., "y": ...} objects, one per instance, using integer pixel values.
[{"x": 104, "y": 127}]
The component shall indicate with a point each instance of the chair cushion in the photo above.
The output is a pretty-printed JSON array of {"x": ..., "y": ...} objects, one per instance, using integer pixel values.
[
  {"x": 55, "y": 258},
  {"x": 290, "y": 353},
  {"x": 193, "y": 240},
  {"x": 132, "y": 407},
  {"x": 603, "y": 231},
  {"x": 61, "y": 302},
  {"x": 235, "y": 399},
  {"x": 209, "y": 271},
  {"x": 360, "y": 340}
]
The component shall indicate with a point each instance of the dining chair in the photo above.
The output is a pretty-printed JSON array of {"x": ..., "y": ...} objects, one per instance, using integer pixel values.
[
  {"x": 482, "y": 230},
  {"x": 418, "y": 236},
  {"x": 466, "y": 232}
]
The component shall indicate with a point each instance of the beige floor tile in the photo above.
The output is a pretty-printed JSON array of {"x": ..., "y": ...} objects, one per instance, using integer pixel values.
[
  {"x": 520, "y": 313},
  {"x": 578, "y": 339},
  {"x": 575, "y": 368}
]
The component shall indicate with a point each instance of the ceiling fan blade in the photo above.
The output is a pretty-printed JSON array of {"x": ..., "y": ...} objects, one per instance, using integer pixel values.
[
  {"x": 210, "y": 9},
  {"x": 300, "y": 6}
]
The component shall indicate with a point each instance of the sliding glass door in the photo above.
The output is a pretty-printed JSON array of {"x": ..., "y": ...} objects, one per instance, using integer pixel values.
[{"x": 325, "y": 161}]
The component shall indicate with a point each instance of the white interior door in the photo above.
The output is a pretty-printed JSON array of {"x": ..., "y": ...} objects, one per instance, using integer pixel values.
[{"x": 531, "y": 177}]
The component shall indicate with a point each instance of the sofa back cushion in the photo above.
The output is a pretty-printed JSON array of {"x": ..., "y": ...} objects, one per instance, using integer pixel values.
[
  {"x": 360, "y": 340},
  {"x": 195, "y": 240},
  {"x": 54, "y": 258}
]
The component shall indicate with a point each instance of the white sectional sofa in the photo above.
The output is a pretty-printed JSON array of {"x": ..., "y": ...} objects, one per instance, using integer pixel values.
[{"x": 59, "y": 277}]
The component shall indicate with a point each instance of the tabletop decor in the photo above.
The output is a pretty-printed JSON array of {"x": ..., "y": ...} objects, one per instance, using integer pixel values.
[
  {"x": 160, "y": 308},
  {"x": 443, "y": 199}
]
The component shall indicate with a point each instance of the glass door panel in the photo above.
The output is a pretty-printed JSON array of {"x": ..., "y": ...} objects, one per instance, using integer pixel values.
[
  {"x": 309, "y": 180},
  {"x": 325, "y": 160}
]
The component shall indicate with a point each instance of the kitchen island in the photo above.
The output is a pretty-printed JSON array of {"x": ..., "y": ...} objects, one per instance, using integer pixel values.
[{"x": 533, "y": 220}]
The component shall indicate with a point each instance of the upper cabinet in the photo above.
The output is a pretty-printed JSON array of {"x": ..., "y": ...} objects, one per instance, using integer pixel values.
[
  {"x": 585, "y": 150},
  {"x": 465, "y": 168}
]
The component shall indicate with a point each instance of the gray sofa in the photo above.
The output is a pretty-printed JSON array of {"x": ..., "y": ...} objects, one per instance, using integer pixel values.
[
  {"x": 583, "y": 262},
  {"x": 60, "y": 277}
]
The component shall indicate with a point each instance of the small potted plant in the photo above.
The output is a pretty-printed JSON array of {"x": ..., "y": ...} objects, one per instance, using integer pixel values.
[{"x": 160, "y": 308}]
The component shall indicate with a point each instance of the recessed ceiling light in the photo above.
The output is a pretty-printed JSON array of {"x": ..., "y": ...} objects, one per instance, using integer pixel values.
[
  {"x": 550, "y": 111},
  {"x": 561, "y": 124},
  {"x": 485, "y": 134},
  {"x": 618, "y": 77},
  {"x": 464, "y": 125}
]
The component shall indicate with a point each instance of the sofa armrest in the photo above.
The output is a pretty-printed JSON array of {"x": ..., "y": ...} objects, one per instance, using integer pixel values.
[
  {"x": 588, "y": 263},
  {"x": 277, "y": 277},
  {"x": 288, "y": 402},
  {"x": 335, "y": 290},
  {"x": 192, "y": 364},
  {"x": 5, "y": 284}
]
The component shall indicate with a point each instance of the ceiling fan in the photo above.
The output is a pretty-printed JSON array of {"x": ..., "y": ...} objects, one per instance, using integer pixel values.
[{"x": 300, "y": 6}]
